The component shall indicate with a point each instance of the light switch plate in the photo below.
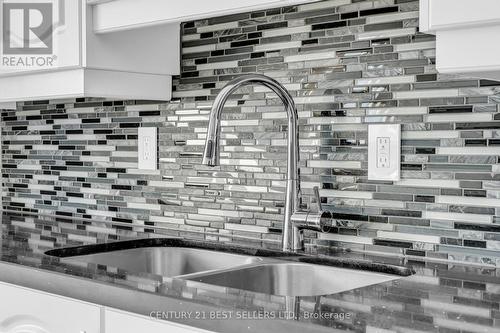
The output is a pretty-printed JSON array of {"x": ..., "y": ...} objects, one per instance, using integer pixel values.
[
  {"x": 384, "y": 152},
  {"x": 148, "y": 148}
]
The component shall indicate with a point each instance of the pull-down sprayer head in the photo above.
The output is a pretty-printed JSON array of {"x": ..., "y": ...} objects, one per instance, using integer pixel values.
[{"x": 211, "y": 154}]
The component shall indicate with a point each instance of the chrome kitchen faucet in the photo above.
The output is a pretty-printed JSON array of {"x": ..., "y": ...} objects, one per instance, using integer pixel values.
[{"x": 296, "y": 220}]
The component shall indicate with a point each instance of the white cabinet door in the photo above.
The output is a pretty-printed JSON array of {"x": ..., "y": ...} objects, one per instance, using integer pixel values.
[
  {"x": 438, "y": 15},
  {"x": 28, "y": 311},
  {"x": 57, "y": 48},
  {"x": 65, "y": 59},
  {"x": 124, "y": 322},
  {"x": 464, "y": 30}
]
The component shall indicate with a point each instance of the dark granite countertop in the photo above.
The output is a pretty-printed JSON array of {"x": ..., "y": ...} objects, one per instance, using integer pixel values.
[{"x": 439, "y": 297}]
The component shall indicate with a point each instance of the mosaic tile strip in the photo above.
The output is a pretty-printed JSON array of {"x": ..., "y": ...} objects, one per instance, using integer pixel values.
[{"x": 348, "y": 64}]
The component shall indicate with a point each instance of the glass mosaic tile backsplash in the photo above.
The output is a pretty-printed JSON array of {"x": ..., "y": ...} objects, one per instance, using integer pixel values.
[{"x": 348, "y": 64}]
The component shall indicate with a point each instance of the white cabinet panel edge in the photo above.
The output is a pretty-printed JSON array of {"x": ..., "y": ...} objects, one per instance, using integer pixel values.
[
  {"x": 126, "y": 85},
  {"x": 81, "y": 82},
  {"x": 117, "y": 15},
  {"x": 469, "y": 51},
  {"x": 438, "y": 15}
]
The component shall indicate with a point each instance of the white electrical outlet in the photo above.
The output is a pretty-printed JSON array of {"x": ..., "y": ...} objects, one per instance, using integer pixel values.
[
  {"x": 384, "y": 152},
  {"x": 148, "y": 147}
]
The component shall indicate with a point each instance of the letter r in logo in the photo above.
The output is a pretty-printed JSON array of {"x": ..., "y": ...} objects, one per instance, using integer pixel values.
[{"x": 27, "y": 28}]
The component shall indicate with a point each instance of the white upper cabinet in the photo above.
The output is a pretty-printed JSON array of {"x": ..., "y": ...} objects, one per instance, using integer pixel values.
[
  {"x": 49, "y": 50},
  {"x": 466, "y": 33},
  {"x": 112, "y": 15},
  {"x": 458, "y": 14},
  {"x": 115, "y": 49},
  {"x": 56, "y": 46}
]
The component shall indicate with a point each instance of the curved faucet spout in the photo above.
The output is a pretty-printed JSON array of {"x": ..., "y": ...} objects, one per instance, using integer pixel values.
[{"x": 211, "y": 154}]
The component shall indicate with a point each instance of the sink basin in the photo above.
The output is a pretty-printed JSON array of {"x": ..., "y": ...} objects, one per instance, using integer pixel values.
[
  {"x": 227, "y": 266},
  {"x": 294, "y": 279},
  {"x": 165, "y": 261}
]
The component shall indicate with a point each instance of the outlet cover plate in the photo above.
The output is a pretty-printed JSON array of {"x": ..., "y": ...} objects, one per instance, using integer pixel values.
[
  {"x": 384, "y": 152},
  {"x": 148, "y": 148}
]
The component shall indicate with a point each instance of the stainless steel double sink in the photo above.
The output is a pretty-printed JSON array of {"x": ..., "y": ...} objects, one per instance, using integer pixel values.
[{"x": 267, "y": 275}]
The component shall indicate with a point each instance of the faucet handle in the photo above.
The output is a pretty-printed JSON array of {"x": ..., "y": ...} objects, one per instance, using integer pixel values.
[
  {"x": 320, "y": 221},
  {"x": 318, "y": 198}
]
